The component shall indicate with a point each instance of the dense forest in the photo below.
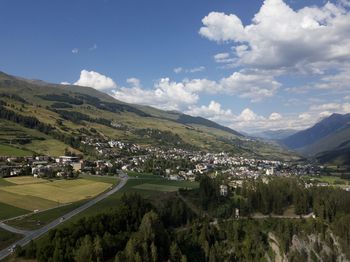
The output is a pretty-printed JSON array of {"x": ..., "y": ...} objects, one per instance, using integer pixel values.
[
  {"x": 136, "y": 230},
  {"x": 272, "y": 197}
]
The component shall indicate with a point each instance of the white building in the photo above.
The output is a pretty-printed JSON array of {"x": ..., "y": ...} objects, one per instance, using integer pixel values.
[
  {"x": 223, "y": 190},
  {"x": 67, "y": 159},
  {"x": 270, "y": 171}
]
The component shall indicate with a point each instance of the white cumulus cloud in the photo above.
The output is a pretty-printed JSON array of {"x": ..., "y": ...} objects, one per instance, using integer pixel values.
[
  {"x": 280, "y": 37},
  {"x": 275, "y": 116},
  {"x": 247, "y": 115},
  {"x": 222, "y": 27},
  {"x": 95, "y": 80},
  {"x": 213, "y": 111},
  {"x": 255, "y": 86},
  {"x": 247, "y": 120},
  {"x": 165, "y": 95},
  {"x": 305, "y": 116}
]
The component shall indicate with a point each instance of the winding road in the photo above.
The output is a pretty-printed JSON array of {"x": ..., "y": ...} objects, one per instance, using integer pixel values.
[{"x": 31, "y": 235}]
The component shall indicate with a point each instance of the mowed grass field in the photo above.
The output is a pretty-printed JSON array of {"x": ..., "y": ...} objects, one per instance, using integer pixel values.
[
  {"x": 6, "y": 150},
  {"x": 155, "y": 187},
  {"x": 28, "y": 193},
  {"x": 38, "y": 220}
]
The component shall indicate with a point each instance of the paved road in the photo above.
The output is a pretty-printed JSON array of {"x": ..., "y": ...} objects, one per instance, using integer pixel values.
[
  {"x": 31, "y": 235},
  {"x": 14, "y": 230}
]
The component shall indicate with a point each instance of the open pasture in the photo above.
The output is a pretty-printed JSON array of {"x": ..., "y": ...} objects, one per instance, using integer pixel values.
[
  {"x": 27, "y": 193},
  {"x": 26, "y": 202},
  {"x": 155, "y": 187},
  {"x": 6, "y": 150},
  {"x": 23, "y": 180}
]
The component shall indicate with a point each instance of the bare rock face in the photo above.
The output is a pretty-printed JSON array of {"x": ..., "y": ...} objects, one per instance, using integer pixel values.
[{"x": 311, "y": 248}]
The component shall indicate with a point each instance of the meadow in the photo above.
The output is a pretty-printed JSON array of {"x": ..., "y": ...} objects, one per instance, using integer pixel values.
[
  {"x": 19, "y": 195},
  {"x": 19, "y": 141},
  {"x": 155, "y": 187},
  {"x": 6, "y": 150},
  {"x": 149, "y": 186},
  {"x": 37, "y": 220}
]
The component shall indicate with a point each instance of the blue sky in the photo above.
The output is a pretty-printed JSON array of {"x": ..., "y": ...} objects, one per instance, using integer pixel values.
[{"x": 287, "y": 68}]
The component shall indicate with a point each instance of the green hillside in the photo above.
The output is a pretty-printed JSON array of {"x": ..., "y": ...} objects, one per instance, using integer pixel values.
[{"x": 48, "y": 119}]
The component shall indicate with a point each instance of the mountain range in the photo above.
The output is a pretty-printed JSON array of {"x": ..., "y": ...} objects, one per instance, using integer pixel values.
[
  {"x": 328, "y": 140},
  {"x": 44, "y": 118}
]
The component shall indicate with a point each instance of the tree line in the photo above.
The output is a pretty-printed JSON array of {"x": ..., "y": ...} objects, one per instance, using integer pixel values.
[
  {"x": 26, "y": 121},
  {"x": 136, "y": 230}
]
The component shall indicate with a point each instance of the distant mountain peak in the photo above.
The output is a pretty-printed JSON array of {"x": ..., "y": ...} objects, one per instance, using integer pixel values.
[
  {"x": 328, "y": 140},
  {"x": 320, "y": 130}
]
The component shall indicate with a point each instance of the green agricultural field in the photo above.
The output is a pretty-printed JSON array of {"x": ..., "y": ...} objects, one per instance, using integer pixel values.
[
  {"x": 155, "y": 187},
  {"x": 3, "y": 182},
  {"x": 331, "y": 180},
  {"x": 49, "y": 147},
  {"x": 105, "y": 179},
  {"x": 25, "y": 194},
  {"x": 144, "y": 175},
  {"x": 10, "y": 211},
  {"x": 6, "y": 150},
  {"x": 59, "y": 191},
  {"x": 148, "y": 185},
  {"x": 24, "y": 180},
  {"x": 38, "y": 220},
  {"x": 26, "y": 202}
]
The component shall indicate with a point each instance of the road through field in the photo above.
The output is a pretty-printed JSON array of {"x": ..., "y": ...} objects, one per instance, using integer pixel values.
[
  {"x": 31, "y": 235},
  {"x": 14, "y": 230}
]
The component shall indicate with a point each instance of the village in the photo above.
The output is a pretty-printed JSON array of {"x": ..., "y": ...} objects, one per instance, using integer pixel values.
[{"x": 174, "y": 164}]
